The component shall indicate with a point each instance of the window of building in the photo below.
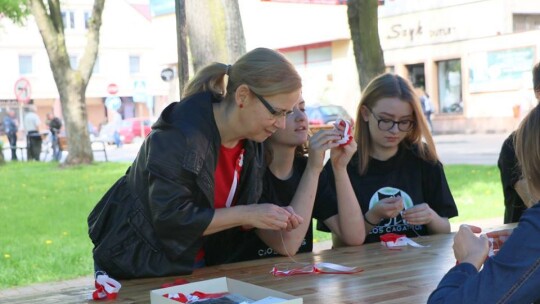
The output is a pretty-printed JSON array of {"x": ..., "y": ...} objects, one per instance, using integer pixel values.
[
  {"x": 87, "y": 16},
  {"x": 68, "y": 17},
  {"x": 526, "y": 22},
  {"x": 25, "y": 64},
  {"x": 95, "y": 69},
  {"x": 449, "y": 84},
  {"x": 314, "y": 64},
  {"x": 134, "y": 64},
  {"x": 73, "y": 61}
]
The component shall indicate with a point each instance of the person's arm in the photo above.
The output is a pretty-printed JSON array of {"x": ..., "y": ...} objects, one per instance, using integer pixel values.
[
  {"x": 348, "y": 225},
  {"x": 263, "y": 216},
  {"x": 288, "y": 242}
]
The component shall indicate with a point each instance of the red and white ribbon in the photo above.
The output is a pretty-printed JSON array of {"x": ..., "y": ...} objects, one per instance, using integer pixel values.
[
  {"x": 319, "y": 268},
  {"x": 194, "y": 296},
  {"x": 392, "y": 240},
  {"x": 347, "y": 137},
  {"x": 106, "y": 288}
]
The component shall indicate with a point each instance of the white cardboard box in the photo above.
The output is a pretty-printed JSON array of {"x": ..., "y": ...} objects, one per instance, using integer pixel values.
[{"x": 222, "y": 284}]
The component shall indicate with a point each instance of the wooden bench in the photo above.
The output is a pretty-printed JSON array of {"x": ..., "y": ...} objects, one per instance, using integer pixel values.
[{"x": 97, "y": 145}]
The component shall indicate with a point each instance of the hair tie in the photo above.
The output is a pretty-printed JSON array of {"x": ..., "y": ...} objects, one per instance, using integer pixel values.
[{"x": 227, "y": 69}]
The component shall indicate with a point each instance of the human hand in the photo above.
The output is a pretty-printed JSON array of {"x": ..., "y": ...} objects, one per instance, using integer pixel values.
[
  {"x": 268, "y": 216},
  {"x": 318, "y": 144},
  {"x": 389, "y": 207},
  {"x": 420, "y": 214},
  {"x": 499, "y": 237},
  {"x": 294, "y": 221},
  {"x": 468, "y": 248},
  {"x": 341, "y": 155}
]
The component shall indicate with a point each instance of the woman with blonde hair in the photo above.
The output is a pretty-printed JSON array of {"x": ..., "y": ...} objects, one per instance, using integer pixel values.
[
  {"x": 396, "y": 175},
  {"x": 513, "y": 274},
  {"x": 199, "y": 172}
]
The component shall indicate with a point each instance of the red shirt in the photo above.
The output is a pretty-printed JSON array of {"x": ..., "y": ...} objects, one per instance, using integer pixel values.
[
  {"x": 226, "y": 180},
  {"x": 229, "y": 165}
]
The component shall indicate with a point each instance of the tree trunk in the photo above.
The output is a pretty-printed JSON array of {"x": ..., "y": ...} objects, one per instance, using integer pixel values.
[
  {"x": 181, "y": 38},
  {"x": 363, "y": 22},
  {"x": 207, "y": 32},
  {"x": 236, "y": 42},
  {"x": 71, "y": 83}
]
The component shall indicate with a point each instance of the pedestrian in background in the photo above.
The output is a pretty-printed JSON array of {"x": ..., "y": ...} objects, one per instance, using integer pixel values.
[
  {"x": 427, "y": 106},
  {"x": 514, "y": 189},
  {"x": 55, "y": 124},
  {"x": 11, "y": 126},
  {"x": 31, "y": 124}
]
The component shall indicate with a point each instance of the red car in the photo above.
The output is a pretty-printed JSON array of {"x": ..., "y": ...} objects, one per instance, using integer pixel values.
[{"x": 132, "y": 128}]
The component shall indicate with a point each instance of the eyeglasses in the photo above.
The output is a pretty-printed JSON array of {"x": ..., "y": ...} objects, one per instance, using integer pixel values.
[
  {"x": 385, "y": 124},
  {"x": 277, "y": 114}
]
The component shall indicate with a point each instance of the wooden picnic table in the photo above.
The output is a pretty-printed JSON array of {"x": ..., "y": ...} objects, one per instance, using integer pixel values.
[{"x": 405, "y": 275}]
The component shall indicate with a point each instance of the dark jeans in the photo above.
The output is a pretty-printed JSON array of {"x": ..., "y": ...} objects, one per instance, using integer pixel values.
[
  {"x": 57, "y": 154},
  {"x": 33, "y": 145},
  {"x": 12, "y": 138}
]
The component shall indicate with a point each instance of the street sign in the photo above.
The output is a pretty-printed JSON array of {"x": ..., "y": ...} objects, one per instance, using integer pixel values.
[
  {"x": 112, "y": 88},
  {"x": 167, "y": 74},
  {"x": 22, "y": 90},
  {"x": 113, "y": 102}
]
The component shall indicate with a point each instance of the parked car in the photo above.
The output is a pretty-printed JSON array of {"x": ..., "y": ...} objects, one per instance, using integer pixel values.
[
  {"x": 130, "y": 128},
  {"x": 326, "y": 114}
]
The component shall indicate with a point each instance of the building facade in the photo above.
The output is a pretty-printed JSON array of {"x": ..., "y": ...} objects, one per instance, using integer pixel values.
[{"x": 473, "y": 57}]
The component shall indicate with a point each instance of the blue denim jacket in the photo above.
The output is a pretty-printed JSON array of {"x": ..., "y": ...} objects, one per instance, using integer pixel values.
[{"x": 511, "y": 276}]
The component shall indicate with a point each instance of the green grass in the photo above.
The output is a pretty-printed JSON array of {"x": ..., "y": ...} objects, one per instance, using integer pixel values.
[{"x": 43, "y": 211}]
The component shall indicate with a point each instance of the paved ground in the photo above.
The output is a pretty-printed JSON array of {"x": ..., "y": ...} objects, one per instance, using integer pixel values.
[{"x": 452, "y": 149}]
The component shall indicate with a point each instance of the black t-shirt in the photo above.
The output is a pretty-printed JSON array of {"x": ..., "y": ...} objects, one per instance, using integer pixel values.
[
  {"x": 510, "y": 174},
  {"x": 406, "y": 175},
  {"x": 281, "y": 193}
]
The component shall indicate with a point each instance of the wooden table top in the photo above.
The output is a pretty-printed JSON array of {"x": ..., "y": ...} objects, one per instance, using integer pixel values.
[{"x": 407, "y": 275}]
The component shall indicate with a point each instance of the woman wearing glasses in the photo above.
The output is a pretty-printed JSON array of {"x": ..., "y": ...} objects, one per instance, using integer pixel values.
[
  {"x": 199, "y": 172},
  {"x": 396, "y": 175}
]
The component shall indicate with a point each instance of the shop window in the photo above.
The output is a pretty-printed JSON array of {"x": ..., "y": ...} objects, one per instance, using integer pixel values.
[
  {"x": 25, "y": 64},
  {"x": 134, "y": 64},
  {"x": 417, "y": 75},
  {"x": 449, "y": 84}
]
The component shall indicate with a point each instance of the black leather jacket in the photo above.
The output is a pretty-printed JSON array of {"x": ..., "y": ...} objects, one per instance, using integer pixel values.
[{"x": 150, "y": 223}]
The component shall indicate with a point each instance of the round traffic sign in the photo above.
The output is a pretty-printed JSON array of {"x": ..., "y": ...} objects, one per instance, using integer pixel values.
[
  {"x": 112, "y": 88},
  {"x": 167, "y": 74},
  {"x": 22, "y": 90}
]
